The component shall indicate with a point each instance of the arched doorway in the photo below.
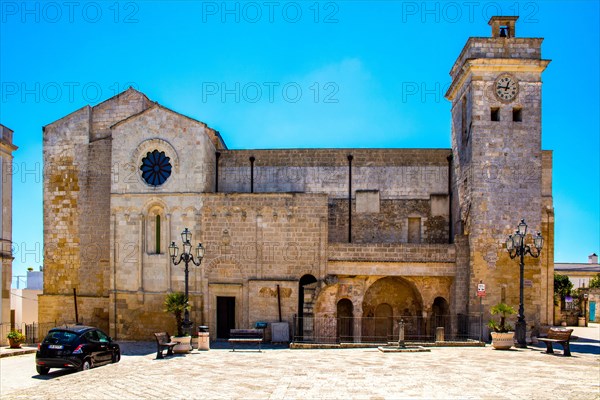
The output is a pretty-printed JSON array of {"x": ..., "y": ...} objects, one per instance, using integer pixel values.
[
  {"x": 345, "y": 321},
  {"x": 440, "y": 316},
  {"x": 387, "y": 301},
  {"x": 304, "y": 310}
]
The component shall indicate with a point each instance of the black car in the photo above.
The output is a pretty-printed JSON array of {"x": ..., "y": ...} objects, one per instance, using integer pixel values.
[{"x": 75, "y": 346}]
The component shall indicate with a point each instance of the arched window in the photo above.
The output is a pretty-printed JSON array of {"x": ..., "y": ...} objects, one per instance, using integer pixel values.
[
  {"x": 157, "y": 234},
  {"x": 154, "y": 232}
]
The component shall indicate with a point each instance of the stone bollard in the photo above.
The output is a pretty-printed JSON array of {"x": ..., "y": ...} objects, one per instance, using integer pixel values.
[
  {"x": 401, "y": 333},
  {"x": 439, "y": 334}
]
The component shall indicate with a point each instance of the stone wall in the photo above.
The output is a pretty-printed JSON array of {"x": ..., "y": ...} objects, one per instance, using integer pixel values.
[
  {"x": 266, "y": 235},
  {"x": 6, "y": 253},
  {"x": 255, "y": 242},
  {"x": 389, "y": 223},
  {"x": 485, "y": 48},
  {"x": 264, "y": 303},
  {"x": 395, "y": 173}
]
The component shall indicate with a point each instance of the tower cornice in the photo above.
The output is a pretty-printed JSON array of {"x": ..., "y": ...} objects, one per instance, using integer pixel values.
[{"x": 480, "y": 65}]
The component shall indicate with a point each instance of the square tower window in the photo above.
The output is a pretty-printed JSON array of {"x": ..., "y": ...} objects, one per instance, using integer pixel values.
[
  {"x": 517, "y": 114},
  {"x": 495, "y": 114}
]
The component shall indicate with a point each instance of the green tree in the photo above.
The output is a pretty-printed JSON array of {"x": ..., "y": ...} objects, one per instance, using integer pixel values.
[
  {"x": 176, "y": 303},
  {"x": 562, "y": 287},
  {"x": 595, "y": 282}
]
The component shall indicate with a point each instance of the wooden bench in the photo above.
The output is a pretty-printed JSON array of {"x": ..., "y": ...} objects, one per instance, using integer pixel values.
[
  {"x": 561, "y": 336},
  {"x": 245, "y": 336},
  {"x": 163, "y": 341}
]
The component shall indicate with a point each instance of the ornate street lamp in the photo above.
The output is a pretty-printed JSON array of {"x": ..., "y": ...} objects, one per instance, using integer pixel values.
[
  {"x": 186, "y": 257},
  {"x": 515, "y": 244}
]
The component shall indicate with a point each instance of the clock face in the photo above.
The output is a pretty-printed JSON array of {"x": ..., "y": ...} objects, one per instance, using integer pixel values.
[{"x": 506, "y": 88}]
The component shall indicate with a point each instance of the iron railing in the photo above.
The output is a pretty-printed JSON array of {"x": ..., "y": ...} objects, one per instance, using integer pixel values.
[{"x": 461, "y": 327}]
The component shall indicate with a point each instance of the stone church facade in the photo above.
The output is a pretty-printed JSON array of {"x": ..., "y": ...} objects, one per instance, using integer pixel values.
[{"x": 328, "y": 235}]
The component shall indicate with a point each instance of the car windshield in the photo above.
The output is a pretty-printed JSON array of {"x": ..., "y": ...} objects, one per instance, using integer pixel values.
[{"x": 60, "y": 337}]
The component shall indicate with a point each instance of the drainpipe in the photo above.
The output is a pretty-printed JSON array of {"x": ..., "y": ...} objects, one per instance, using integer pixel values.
[
  {"x": 217, "y": 156},
  {"x": 252, "y": 174},
  {"x": 350, "y": 158},
  {"x": 451, "y": 223}
]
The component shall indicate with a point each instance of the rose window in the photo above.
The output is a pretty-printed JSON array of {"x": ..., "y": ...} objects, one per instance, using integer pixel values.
[{"x": 156, "y": 168}]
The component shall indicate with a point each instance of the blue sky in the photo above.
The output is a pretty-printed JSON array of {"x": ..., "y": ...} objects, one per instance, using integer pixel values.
[{"x": 294, "y": 74}]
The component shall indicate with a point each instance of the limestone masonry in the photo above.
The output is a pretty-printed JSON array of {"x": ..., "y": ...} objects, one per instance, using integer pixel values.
[
  {"x": 6, "y": 158},
  {"x": 338, "y": 243}
]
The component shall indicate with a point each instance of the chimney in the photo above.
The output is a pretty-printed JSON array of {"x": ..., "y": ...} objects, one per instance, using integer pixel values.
[{"x": 593, "y": 258}]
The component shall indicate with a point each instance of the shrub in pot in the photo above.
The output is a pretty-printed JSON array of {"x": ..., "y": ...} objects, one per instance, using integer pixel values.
[
  {"x": 176, "y": 303},
  {"x": 503, "y": 337},
  {"x": 15, "y": 338}
]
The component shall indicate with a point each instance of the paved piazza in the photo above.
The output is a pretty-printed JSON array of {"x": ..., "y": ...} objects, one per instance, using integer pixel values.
[{"x": 444, "y": 373}]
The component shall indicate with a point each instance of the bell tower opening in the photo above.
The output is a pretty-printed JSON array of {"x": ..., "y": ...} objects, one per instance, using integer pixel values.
[{"x": 503, "y": 26}]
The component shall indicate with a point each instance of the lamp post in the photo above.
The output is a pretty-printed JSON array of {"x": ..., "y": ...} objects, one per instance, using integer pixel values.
[
  {"x": 515, "y": 244},
  {"x": 187, "y": 257}
]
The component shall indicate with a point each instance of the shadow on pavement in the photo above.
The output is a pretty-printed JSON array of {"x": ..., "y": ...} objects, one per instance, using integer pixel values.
[
  {"x": 55, "y": 373},
  {"x": 137, "y": 348},
  {"x": 581, "y": 345}
]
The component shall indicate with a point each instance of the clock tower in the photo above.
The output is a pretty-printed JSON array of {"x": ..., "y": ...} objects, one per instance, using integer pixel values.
[{"x": 500, "y": 173}]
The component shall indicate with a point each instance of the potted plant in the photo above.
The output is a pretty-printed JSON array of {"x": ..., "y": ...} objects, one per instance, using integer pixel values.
[
  {"x": 502, "y": 336},
  {"x": 176, "y": 303},
  {"x": 15, "y": 338}
]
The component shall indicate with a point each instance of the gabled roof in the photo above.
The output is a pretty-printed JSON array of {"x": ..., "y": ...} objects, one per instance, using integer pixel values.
[
  {"x": 130, "y": 89},
  {"x": 115, "y": 97},
  {"x": 216, "y": 136}
]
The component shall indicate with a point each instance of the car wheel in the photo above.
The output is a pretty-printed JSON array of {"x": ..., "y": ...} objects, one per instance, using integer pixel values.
[
  {"x": 87, "y": 364},
  {"x": 116, "y": 357},
  {"x": 42, "y": 370}
]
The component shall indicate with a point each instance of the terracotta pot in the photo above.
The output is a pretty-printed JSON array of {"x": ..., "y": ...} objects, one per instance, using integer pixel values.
[
  {"x": 503, "y": 341},
  {"x": 184, "y": 344},
  {"x": 14, "y": 344}
]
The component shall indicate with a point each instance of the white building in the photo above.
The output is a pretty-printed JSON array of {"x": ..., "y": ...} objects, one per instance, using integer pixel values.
[
  {"x": 580, "y": 274},
  {"x": 24, "y": 302}
]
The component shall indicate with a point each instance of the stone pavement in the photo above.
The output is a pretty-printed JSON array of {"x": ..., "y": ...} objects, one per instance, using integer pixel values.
[
  {"x": 448, "y": 373},
  {"x": 6, "y": 351}
]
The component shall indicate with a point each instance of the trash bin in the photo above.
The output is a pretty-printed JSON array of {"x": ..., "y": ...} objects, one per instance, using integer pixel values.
[{"x": 203, "y": 338}]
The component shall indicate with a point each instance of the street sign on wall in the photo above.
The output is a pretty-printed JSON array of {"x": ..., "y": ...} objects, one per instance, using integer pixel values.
[{"x": 481, "y": 290}]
